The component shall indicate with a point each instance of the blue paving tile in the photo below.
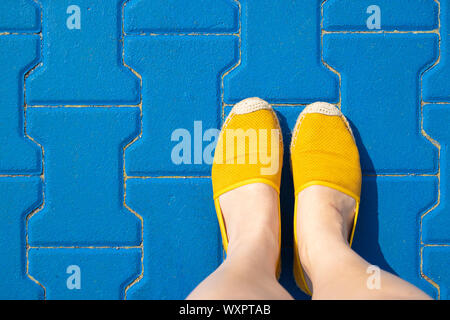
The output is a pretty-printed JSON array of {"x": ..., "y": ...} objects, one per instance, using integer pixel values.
[
  {"x": 388, "y": 230},
  {"x": 88, "y": 274},
  {"x": 19, "y": 155},
  {"x": 436, "y": 87},
  {"x": 436, "y": 224},
  {"x": 83, "y": 150},
  {"x": 18, "y": 198},
  {"x": 19, "y": 16},
  {"x": 181, "y": 84},
  {"x": 82, "y": 66},
  {"x": 353, "y": 15},
  {"x": 435, "y": 266},
  {"x": 381, "y": 97},
  {"x": 179, "y": 218},
  {"x": 281, "y": 59},
  {"x": 147, "y": 16}
]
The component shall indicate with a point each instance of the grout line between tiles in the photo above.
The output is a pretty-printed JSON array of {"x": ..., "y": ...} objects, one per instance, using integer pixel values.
[
  {"x": 33, "y": 212},
  {"x": 238, "y": 63},
  {"x": 20, "y": 33},
  {"x": 83, "y": 106},
  {"x": 401, "y": 175},
  {"x": 18, "y": 175},
  {"x": 438, "y": 146},
  {"x": 322, "y": 33},
  {"x": 139, "y": 136},
  {"x": 442, "y": 245},
  {"x": 428, "y": 279},
  {"x": 86, "y": 247},
  {"x": 436, "y": 31}
]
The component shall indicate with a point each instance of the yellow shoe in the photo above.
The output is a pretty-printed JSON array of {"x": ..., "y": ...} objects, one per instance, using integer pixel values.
[
  {"x": 323, "y": 152},
  {"x": 249, "y": 150}
]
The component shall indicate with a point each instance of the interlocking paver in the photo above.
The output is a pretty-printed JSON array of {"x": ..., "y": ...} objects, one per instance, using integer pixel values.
[
  {"x": 436, "y": 224},
  {"x": 381, "y": 97},
  {"x": 83, "y": 150},
  {"x": 356, "y": 15},
  {"x": 436, "y": 87},
  {"x": 181, "y": 78},
  {"x": 179, "y": 218},
  {"x": 435, "y": 266},
  {"x": 82, "y": 58},
  {"x": 18, "y": 197},
  {"x": 19, "y": 155},
  {"x": 19, "y": 16},
  {"x": 175, "y": 16},
  {"x": 281, "y": 55},
  {"x": 85, "y": 273}
]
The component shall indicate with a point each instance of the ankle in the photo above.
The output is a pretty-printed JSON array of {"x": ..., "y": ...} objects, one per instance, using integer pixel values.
[
  {"x": 251, "y": 217},
  {"x": 320, "y": 237},
  {"x": 259, "y": 246},
  {"x": 324, "y": 221}
]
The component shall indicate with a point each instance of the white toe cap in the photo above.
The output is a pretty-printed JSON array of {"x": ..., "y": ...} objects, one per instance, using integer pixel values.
[
  {"x": 251, "y": 105},
  {"x": 322, "y": 108}
]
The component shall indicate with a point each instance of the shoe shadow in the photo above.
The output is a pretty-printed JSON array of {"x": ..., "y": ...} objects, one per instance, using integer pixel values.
[
  {"x": 287, "y": 201},
  {"x": 366, "y": 242}
]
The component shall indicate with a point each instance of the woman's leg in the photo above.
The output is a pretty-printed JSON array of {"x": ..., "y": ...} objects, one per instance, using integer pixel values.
[
  {"x": 323, "y": 224},
  {"x": 251, "y": 217}
]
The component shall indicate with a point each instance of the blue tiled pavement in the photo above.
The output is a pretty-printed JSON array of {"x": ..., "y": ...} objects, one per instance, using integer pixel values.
[{"x": 96, "y": 96}]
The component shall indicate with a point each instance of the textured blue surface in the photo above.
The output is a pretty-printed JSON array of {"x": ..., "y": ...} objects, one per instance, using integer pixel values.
[
  {"x": 436, "y": 262},
  {"x": 18, "y": 54},
  {"x": 104, "y": 273},
  {"x": 436, "y": 224},
  {"x": 388, "y": 230},
  {"x": 180, "y": 219},
  {"x": 18, "y": 197},
  {"x": 351, "y": 15},
  {"x": 174, "y": 16},
  {"x": 19, "y": 16},
  {"x": 436, "y": 81},
  {"x": 87, "y": 116},
  {"x": 279, "y": 55}
]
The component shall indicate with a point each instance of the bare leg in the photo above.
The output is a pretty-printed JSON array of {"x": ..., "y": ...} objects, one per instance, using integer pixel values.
[
  {"x": 336, "y": 271},
  {"x": 251, "y": 217}
]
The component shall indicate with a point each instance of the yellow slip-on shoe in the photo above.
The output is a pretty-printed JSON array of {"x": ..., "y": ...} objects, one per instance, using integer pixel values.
[
  {"x": 323, "y": 152},
  {"x": 249, "y": 150}
]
